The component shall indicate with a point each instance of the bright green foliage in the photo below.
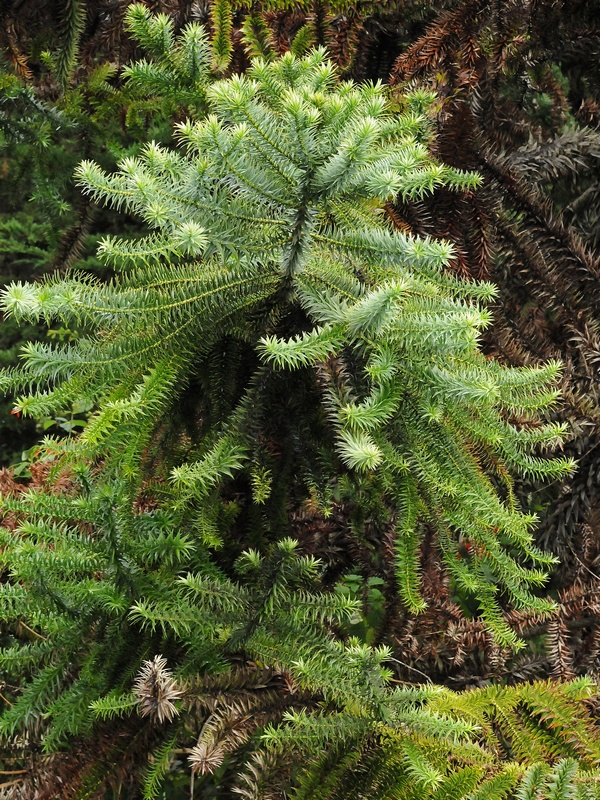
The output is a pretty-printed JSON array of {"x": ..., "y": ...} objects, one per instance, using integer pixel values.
[
  {"x": 44, "y": 221},
  {"x": 257, "y": 36},
  {"x": 267, "y": 227},
  {"x": 176, "y": 67},
  {"x": 90, "y": 563},
  {"x": 221, "y": 21},
  {"x": 269, "y": 341},
  {"x": 137, "y": 578},
  {"x": 517, "y": 725}
]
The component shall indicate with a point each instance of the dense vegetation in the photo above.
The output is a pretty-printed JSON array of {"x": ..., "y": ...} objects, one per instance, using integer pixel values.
[{"x": 303, "y": 378}]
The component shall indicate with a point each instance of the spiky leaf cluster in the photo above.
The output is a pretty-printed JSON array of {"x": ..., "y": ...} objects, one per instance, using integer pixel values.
[
  {"x": 267, "y": 227},
  {"x": 99, "y": 594}
]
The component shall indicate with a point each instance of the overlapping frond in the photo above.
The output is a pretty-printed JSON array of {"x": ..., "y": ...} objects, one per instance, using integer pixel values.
[{"x": 319, "y": 355}]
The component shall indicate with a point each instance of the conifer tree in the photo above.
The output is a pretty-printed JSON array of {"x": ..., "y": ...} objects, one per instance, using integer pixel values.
[
  {"x": 272, "y": 342},
  {"x": 45, "y": 221}
]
